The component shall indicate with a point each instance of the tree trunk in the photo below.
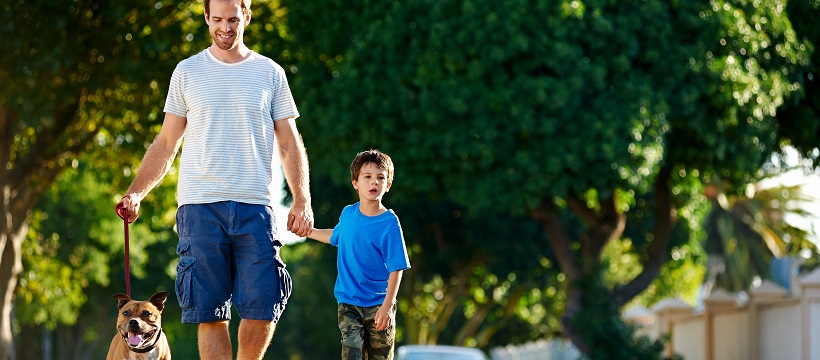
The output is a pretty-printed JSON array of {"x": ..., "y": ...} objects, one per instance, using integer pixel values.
[
  {"x": 25, "y": 175},
  {"x": 582, "y": 266},
  {"x": 11, "y": 240},
  {"x": 575, "y": 306},
  {"x": 28, "y": 344},
  {"x": 15, "y": 205}
]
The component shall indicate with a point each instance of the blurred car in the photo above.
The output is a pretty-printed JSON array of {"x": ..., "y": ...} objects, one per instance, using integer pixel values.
[{"x": 439, "y": 352}]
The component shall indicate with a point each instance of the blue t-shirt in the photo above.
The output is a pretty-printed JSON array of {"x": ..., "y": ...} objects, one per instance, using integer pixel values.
[{"x": 370, "y": 248}]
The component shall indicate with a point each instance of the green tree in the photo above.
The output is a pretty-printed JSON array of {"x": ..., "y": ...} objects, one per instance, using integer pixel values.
[
  {"x": 576, "y": 114},
  {"x": 467, "y": 284},
  {"x": 472, "y": 277},
  {"x": 801, "y": 113},
  {"x": 77, "y": 76}
]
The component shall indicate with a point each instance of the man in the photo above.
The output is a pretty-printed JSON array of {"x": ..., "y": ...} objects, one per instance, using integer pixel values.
[{"x": 232, "y": 106}]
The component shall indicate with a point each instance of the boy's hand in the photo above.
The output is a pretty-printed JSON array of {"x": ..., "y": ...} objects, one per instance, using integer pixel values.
[{"x": 385, "y": 317}]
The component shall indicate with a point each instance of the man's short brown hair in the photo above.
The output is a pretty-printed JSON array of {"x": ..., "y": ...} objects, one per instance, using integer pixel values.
[{"x": 246, "y": 6}]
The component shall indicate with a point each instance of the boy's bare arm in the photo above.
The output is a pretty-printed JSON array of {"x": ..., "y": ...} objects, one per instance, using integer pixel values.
[
  {"x": 385, "y": 316},
  {"x": 392, "y": 287},
  {"x": 322, "y": 235}
]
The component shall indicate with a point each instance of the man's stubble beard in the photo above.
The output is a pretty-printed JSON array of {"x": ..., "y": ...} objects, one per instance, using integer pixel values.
[{"x": 227, "y": 46}]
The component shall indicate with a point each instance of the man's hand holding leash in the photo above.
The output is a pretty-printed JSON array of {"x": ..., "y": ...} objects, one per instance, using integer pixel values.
[{"x": 129, "y": 204}]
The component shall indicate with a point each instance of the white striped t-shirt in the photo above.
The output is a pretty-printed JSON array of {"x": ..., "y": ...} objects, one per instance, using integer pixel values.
[{"x": 228, "y": 147}]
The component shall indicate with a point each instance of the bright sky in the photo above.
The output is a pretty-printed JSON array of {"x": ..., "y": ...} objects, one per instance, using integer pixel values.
[
  {"x": 281, "y": 211},
  {"x": 810, "y": 186}
]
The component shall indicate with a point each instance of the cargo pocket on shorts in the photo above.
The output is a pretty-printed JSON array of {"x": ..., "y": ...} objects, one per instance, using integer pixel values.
[{"x": 184, "y": 275}]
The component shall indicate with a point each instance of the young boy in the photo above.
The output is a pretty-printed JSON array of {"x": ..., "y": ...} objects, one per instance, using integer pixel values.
[{"x": 370, "y": 261}]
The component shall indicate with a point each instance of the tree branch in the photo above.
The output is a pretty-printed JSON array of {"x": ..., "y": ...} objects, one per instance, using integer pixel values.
[
  {"x": 470, "y": 328},
  {"x": 611, "y": 226},
  {"x": 39, "y": 157},
  {"x": 665, "y": 215},
  {"x": 579, "y": 206},
  {"x": 8, "y": 119},
  {"x": 546, "y": 215},
  {"x": 485, "y": 334},
  {"x": 590, "y": 219}
]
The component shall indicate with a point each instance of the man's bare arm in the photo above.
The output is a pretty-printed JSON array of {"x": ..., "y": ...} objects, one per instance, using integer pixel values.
[
  {"x": 295, "y": 166},
  {"x": 155, "y": 163}
]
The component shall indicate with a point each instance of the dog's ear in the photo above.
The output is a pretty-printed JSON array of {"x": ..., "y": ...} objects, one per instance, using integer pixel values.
[
  {"x": 158, "y": 299},
  {"x": 122, "y": 299}
]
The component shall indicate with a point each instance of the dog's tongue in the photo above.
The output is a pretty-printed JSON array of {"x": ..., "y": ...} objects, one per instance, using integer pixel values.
[{"x": 134, "y": 338}]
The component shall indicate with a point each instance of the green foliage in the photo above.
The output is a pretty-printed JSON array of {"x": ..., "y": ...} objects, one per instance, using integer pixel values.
[
  {"x": 308, "y": 329},
  {"x": 799, "y": 115},
  {"x": 486, "y": 107},
  {"x": 491, "y": 108},
  {"x": 94, "y": 68},
  {"x": 595, "y": 96},
  {"x": 611, "y": 338},
  {"x": 463, "y": 269},
  {"x": 461, "y": 71},
  {"x": 73, "y": 238},
  {"x": 680, "y": 277},
  {"x": 478, "y": 264},
  {"x": 683, "y": 272}
]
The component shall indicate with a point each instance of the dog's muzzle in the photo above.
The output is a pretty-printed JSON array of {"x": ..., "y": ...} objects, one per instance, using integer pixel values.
[{"x": 138, "y": 340}]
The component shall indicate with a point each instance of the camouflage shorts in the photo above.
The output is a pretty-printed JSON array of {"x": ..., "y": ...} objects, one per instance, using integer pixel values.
[{"x": 360, "y": 340}]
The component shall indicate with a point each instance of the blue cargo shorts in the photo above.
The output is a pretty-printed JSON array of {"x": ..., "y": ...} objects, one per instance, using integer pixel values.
[{"x": 229, "y": 255}]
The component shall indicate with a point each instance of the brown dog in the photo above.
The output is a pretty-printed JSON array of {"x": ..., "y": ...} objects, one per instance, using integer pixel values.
[{"x": 139, "y": 329}]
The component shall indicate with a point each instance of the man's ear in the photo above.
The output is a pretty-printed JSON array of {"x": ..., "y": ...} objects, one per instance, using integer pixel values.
[
  {"x": 248, "y": 17},
  {"x": 207, "y": 21}
]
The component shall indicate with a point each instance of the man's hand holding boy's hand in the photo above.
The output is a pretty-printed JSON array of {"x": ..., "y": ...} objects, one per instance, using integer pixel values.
[{"x": 300, "y": 219}]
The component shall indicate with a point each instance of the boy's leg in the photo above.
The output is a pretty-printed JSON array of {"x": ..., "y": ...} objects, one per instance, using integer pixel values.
[
  {"x": 254, "y": 338},
  {"x": 352, "y": 328},
  {"x": 214, "y": 341},
  {"x": 379, "y": 345}
]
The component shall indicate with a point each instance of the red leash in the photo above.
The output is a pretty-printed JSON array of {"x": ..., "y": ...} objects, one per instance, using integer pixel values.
[{"x": 123, "y": 213}]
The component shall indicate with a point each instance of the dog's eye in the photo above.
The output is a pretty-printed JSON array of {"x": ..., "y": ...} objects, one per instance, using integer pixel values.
[
  {"x": 146, "y": 313},
  {"x": 126, "y": 313}
]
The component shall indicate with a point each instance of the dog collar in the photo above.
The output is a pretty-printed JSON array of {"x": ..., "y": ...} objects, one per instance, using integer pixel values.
[{"x": 147, "y": 349}]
